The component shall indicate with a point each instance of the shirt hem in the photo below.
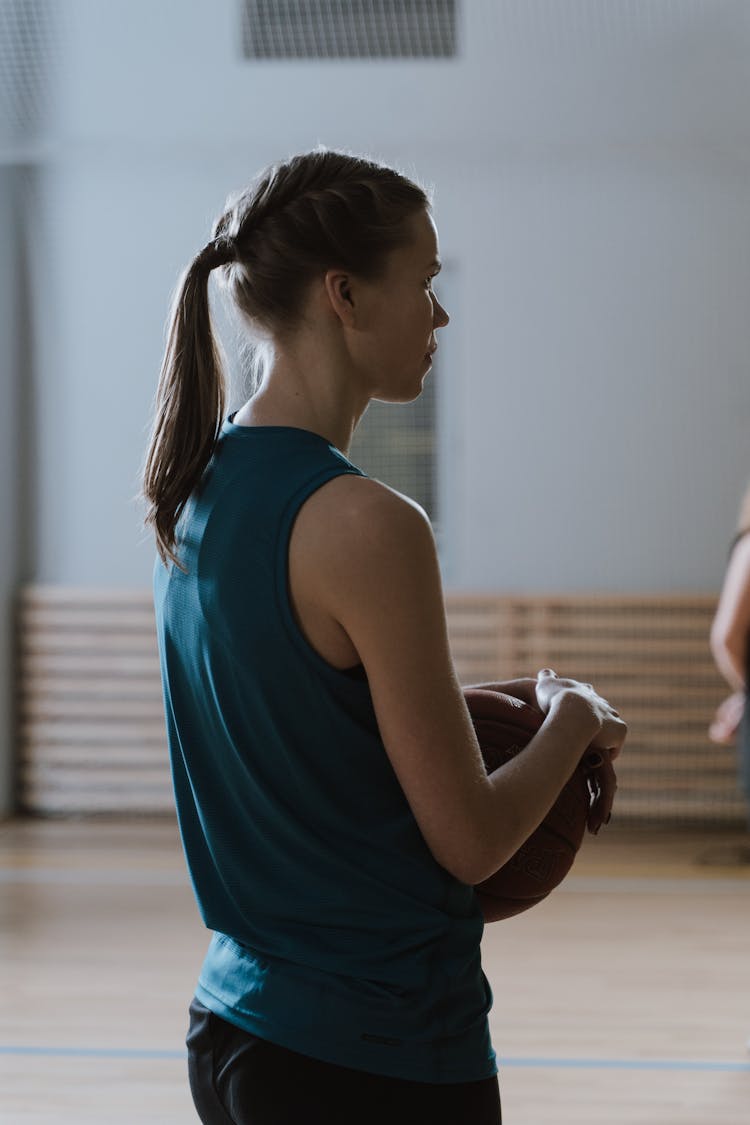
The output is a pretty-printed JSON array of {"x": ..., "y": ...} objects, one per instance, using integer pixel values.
[{"x": 373, "y": 1060}]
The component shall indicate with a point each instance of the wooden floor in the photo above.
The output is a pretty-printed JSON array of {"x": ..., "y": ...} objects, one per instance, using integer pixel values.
[{"x": 624, "y": 998}]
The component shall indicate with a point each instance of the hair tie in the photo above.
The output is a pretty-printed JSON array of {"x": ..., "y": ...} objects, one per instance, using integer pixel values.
[{"x": 219, "y": 252}]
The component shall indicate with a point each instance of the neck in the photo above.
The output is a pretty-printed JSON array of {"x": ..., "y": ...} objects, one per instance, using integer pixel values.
[{"x": 319, "y": 394}]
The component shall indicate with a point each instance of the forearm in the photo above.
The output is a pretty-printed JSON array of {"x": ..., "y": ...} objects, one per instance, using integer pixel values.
[
  {"x": 729, "y": 653},
  {"x": 731, "y": 626},
  {"x": 524, "y": 789},
  {"x": 729, "y": 659}
]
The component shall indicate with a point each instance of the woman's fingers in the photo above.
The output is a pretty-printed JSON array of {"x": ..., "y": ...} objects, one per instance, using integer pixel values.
[
  {"x": 604, "y": 748},
  {"x": 603, "y": 781},
  {"x": 611, "y": 737}
]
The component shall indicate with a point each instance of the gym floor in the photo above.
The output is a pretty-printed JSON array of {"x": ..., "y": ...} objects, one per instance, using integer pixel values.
[{"x": 623, "y": 998}]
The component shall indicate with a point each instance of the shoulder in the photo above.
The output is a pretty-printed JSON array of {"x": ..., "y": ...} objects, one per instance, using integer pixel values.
[
  {"x": 360, "y": 548},
  {"x": 365, "y": 495},
  {"x": 740, "y": 546},
  {"x": 365, "y": 514}
]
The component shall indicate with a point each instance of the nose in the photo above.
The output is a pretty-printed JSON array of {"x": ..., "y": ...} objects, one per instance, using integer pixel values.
[{"x": 439, "y": 316}]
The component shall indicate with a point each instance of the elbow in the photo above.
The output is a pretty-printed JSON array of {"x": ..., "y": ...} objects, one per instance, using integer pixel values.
[
  {"x": 489, "y": 863},
  {"x": 717, "y": 641},
  {"x": 470, "y": 873},
  {"x": 463, "y": 867},
  {"x": 479, "y": 868},
  {"x": 726, "y": 643},
  {"x": 480, "y": 855},
  {"x": 463, "y": 873}
]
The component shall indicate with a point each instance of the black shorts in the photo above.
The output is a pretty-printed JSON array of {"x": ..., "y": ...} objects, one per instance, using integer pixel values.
[{"x": 239, "y": 1079}]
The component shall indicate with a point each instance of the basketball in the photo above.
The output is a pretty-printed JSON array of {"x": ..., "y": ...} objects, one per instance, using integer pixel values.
[{"x": 504, "y": 726}]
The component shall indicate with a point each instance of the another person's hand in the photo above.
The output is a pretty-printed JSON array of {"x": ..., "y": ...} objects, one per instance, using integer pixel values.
[{"x": 723, "y": 729}]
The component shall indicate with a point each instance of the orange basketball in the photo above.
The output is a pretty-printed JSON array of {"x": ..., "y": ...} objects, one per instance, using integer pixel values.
[{"x": 504, "y": 726}]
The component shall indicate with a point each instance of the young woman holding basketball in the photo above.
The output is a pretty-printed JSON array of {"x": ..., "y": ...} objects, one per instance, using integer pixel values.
[{"x": 332, "y": 800}]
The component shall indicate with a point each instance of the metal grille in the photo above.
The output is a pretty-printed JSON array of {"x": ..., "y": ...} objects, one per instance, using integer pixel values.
[
  {"x": 397, "y": 445},
  {"x": 340, "y": 29},
  {"x": 29, "y": 67}
]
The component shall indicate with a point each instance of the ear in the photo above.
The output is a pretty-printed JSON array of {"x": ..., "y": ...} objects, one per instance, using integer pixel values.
[{"x": 339, "y": 290}]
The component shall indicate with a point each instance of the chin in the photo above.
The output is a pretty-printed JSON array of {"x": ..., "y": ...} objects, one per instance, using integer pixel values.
[{"x": 401, "y": 396}]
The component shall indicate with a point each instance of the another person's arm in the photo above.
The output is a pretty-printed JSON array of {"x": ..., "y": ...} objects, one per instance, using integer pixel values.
[
  {"x": 731, "y": 625},
  {"x": 729, "y": 640}
]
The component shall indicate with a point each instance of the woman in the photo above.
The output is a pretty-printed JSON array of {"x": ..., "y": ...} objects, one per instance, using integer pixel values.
[
  {"x": 730, "y": 635},
  {"x": 332, "y": 800}
]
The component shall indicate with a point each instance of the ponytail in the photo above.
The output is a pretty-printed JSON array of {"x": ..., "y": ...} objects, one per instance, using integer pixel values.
[{"x": 189, "y": 402}]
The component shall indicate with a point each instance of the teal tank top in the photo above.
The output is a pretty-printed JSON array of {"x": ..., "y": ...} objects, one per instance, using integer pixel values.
[{"x": 336, "y": 932}]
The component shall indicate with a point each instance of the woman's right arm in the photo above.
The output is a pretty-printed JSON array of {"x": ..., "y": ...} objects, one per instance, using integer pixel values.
[{"x": 380, "y": 580}]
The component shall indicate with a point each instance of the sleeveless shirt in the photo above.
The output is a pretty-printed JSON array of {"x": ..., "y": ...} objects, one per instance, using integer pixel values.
[{"x": 336, "y": 932}]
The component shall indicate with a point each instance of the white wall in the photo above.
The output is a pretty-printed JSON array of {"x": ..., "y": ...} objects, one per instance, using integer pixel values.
[{"x": 591, "y": 162}]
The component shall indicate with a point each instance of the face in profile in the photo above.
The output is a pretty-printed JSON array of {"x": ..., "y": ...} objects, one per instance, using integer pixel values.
[{"x": 400, "y": 317}]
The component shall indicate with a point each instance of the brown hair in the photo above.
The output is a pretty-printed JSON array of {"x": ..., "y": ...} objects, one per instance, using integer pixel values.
[{"x": 296, "y": 220}]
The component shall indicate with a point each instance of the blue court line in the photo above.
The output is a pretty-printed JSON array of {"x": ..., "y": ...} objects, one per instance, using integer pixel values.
[
  {"x": 91, "y": 1053},
  {"x": 542, "y": 1063},
  {"x": 624, "y": 1064}
]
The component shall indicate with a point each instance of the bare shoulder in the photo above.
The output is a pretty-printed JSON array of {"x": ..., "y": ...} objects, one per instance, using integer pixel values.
[
  {"x": 740, "y": 556},
  {"x": 363, "y": 517},
  {"x": 363, "y": 496},
  {"x": 361, "y": 553}
]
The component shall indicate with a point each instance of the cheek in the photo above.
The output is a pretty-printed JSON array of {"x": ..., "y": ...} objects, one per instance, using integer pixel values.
[
  {"x": 422, "y": 312},
  {"x": 409, "y": 324},
  {"x": 407, "y": 321}
]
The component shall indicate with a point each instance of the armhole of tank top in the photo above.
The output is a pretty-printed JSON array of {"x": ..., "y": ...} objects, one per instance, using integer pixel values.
[{"x": 281, "y": 574}]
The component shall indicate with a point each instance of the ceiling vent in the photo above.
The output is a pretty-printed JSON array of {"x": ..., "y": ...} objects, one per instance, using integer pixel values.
[
  {"x": 349, "y": 29},
  {"x": 29, "y": 68}
]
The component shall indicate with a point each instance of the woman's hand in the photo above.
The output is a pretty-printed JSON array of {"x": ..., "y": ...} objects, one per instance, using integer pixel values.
[
  {"x": 555, "y": 694},
  {"x": 523, "y": 688}
]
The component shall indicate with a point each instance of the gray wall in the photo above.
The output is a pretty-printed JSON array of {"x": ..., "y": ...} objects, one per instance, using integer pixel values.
[
  {"x": 591, "y": 163},
  {"x": 10, "y": 345}
]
